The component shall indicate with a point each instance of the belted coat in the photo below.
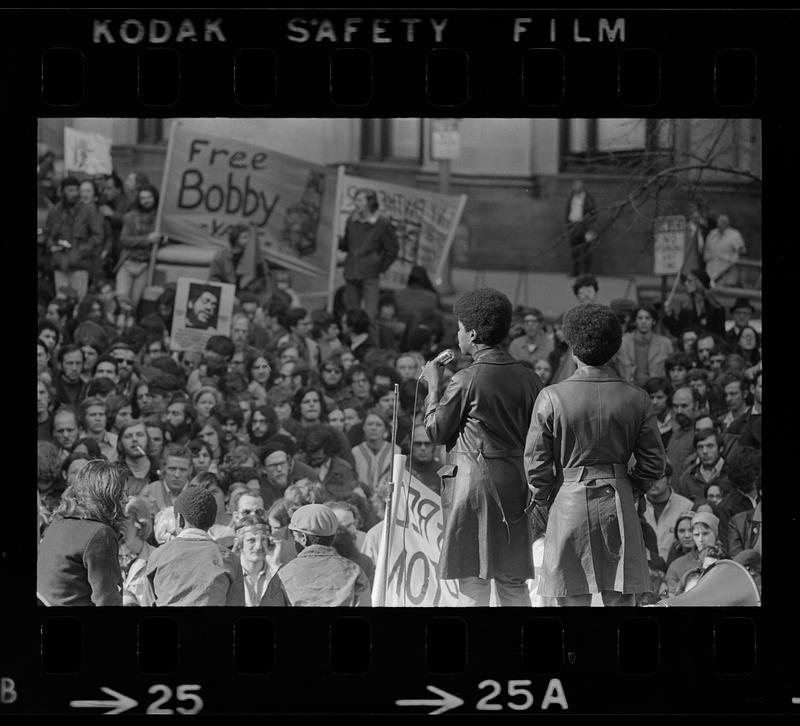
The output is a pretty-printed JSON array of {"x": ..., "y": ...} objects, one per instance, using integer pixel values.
[
  {"x": 482, "y": 418},
  {"x": 581, "y": 438}
]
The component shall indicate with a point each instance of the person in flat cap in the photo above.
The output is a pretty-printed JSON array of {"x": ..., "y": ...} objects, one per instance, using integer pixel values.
[
  {"x": 318, "y": 576},
  {"x": 192, "y": 569},
  {"x": 741, "y": 310},
  {"x": 702, "y": 308},
  {"x": 582, "y": 434}
]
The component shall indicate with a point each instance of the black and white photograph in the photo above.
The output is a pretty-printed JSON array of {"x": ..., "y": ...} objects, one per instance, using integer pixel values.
[{"x": 399, "y": 362}]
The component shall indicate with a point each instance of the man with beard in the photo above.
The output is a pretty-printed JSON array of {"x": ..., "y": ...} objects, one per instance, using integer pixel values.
[
  {"x": 281, "y": 470},
  {"x": 176, "y": 471},
  {"x": 73, "y": 236},
  {"x": 113, "y": 208},
  {"x": 65, "y": 431},
  {"x": 240, "y": 335},
  {"x": 346, "y": 540},
  {"x": 125, "y": 358},
  {"x": 318, "y": 576},
  {"x": 684, "y": 410},
  {"x": 132, "y": 446},
  {"x": 69, "y": 385},
  {"x": 137, "y": 238},
  {"x": 748, "y": 426},
  {"x": 201, "y": 308},
  {"x": 179, "y": 419}
]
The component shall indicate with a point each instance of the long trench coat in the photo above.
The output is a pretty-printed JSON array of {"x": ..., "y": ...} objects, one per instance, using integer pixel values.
[
  {"x": 581, "y": 438},
  {"x": 482, "y": 418}
]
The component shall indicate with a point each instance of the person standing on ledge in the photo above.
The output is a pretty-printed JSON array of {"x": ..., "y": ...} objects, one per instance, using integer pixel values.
[
  {"x": 581, "y": 209},
  {"x": 482, "y": 417},
  {"x": 371, "y": 245},
  {"x": 581, "y": 437}
]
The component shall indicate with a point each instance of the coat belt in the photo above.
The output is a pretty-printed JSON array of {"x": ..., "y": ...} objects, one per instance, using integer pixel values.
[
  {"x": 588, "y": 473},
  {"x": 491, "y": 453}
]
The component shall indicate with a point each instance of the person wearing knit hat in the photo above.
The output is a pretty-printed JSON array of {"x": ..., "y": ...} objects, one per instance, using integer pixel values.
[
  {"x": 582, "y": 434},
  {"x": 192, "y": 569},
  {"x": 705, "y": 534},
  {"x": 318, "y": 576},
  {"x": 701, "y": 309}
]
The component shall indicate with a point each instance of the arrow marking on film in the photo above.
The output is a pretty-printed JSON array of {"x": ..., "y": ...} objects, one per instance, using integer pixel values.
[
  {"x": 446, "y": 701},
  {"x": 120, "y": 703}
]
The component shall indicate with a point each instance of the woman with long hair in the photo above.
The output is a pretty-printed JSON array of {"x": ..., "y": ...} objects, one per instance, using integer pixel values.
[
  {"x": 309, "y": 406},
  {"x": 373, "y": 457},
  {"x": 258, "y": 369},
  {"x": 684, "y": 542},
  {"x": 643, "y": 353},
  {"x": 78, "y": 558},
  {"x": 748, "y": 345}
]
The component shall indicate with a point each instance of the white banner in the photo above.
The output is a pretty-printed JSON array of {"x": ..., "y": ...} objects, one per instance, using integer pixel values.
[{"x": 414, "y": 547}]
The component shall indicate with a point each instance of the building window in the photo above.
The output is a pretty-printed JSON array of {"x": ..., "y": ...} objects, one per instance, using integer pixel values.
[
  {"x": 150, "y": 131},
  {"x": 604, "y": 145},
  {"x": 392, "y": 140}
]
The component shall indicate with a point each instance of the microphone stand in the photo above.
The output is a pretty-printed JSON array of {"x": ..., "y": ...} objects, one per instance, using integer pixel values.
[{"x": 389, "y": 515}]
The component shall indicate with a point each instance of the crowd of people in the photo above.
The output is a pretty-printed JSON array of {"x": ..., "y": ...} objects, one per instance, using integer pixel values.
[{"x": 255, "y": 471}]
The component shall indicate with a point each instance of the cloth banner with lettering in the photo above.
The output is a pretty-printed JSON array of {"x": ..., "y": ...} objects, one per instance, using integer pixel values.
[
  {"x": 425, "y": 223},
  {"x": 86, "y": 152},
  {"x": 414, "y": 548},
  {"x": 212, "y": 183}
]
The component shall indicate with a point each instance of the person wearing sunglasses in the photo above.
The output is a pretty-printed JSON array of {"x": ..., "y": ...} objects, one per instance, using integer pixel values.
[{"x": 125, "y": 358}]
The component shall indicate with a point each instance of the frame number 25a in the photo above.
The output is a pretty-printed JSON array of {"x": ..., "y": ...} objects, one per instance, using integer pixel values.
[{"x": 519, "y": 696}]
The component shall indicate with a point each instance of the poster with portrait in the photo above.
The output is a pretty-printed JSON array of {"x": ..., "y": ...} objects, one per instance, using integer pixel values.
[{"x": 202, "y": 309}]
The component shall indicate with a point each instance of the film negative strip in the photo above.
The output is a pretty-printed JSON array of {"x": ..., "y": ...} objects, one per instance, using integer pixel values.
[{"x": 493, "y": 114}]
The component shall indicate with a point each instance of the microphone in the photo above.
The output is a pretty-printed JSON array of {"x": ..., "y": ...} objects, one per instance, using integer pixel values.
[{"x": 445, "y": 357}]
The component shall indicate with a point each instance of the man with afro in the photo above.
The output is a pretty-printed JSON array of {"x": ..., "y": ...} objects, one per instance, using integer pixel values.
[
  {"x": 582, "y": 435},
  {"x": 482, "y": 417},
  {"x": 192, "y": 569}
]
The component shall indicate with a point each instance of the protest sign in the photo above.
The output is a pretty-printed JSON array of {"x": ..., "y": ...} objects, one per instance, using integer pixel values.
[
  {"x": 213, "y": 183},
  {"x": 669, "y": 239},
  {"x": 202, "y": 309},
  {"x": 86, "y": 153},
  {"x": 425, "y": 223},
  {"x": 414, "y": 547}
]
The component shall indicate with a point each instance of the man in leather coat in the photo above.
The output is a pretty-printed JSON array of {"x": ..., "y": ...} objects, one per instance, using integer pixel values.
[
  {"x": 482, "y": 417},
  {"x": 582, "y": 436}
]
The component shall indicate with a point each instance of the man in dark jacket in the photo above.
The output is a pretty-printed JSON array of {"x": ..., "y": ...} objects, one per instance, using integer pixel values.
[
  {"x": 137, "y": 237},
  {"x": 481, "y": 418},
  {"x": 371, "y": 245},
  {"x": 582, "y": 434},
  {"x": 73, "y": 237}
]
